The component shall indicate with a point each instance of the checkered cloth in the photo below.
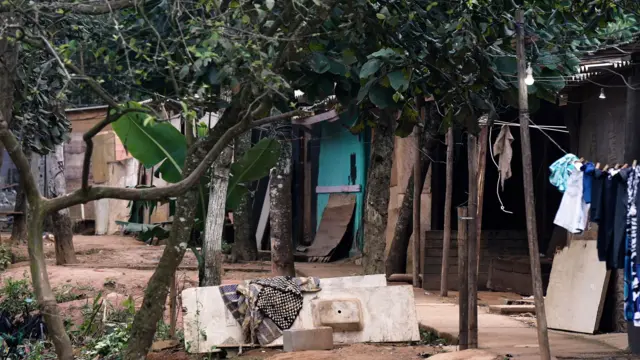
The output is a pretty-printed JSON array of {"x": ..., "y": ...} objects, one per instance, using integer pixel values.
[
  {"x": 266, "y": 307},
  {"x": 280, "y": 300}
]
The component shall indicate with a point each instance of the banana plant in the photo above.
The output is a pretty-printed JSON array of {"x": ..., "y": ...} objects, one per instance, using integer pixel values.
[{"x": 161, "y": 145}]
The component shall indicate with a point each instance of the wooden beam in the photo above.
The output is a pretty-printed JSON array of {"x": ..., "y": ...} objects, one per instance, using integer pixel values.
[
  {"x": 529, "y": 201},
  {"x": 463, "y": 270},
  {"x": 446, "y": 243},
  {"x": 472, "y": 245},
  {"x": 417, "y": 197},
  {"x": 329, "y": 116},
  {"x": 307, "y": 226},
  {"x": 338, "y": 189},
  {"x": 482, "y": 167}
]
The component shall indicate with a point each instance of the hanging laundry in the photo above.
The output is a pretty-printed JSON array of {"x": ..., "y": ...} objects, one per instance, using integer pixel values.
[
  {"x": 632, "y": 304},
  {"x": 597, "y": 190},
  {"x": 587, "y": 181},
  {"x": 502, "y": 147},
  {"x": 610, "y": 214},
  {"x": 560, "y": 171},
  {"x": 573, "y": 211}
]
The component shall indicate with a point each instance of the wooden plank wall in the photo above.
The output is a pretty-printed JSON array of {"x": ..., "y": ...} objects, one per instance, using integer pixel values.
[{"x": 495, "y": 243}]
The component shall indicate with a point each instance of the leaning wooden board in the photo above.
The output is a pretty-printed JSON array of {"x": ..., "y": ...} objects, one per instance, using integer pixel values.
[
  {"x": 389, "y": 314},
  {"x": 333, "y": 225},
  {"x": 577, "y": 288}
]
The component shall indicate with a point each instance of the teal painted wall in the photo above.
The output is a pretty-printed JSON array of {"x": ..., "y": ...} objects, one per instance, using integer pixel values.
[{"x": 337, "y": 146}]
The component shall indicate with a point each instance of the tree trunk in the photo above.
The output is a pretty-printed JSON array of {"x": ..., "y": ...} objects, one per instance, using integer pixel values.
[
  {"x": 397, "y": 258},
  {"x": 212, "y": 245},
  {"x": 245, "y": 247},
  {"x": 376, "y": 207},
  {"x": 19, "y": 227},
  {"x": 44, "y": 294},
  {"x": 144, "y": 323},
  {"x": 60, "y": 220},
  {"x": 280, "y": 217}
]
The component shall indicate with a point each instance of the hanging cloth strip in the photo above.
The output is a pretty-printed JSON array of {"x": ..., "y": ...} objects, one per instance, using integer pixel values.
[
  {"x": 560, "y": 171},
  {"x": 632, "y": 235},
  {"x": 502, "y": 148}
]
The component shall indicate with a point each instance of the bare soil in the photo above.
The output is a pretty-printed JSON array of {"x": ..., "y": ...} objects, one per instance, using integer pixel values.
[{"x": 120, "y": 266}]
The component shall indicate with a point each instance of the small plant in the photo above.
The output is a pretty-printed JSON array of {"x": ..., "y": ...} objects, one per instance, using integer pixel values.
[
  {"x": 226, "y": 248},
  {"x": 112, "y": 342},
  {"x": 428, "y": 337},
  {"x": 6, "y": 257},
  {"x": 66, "y": 293},
  {"x": 110, "y": 283},
  {"x": 17, "y": 297}
]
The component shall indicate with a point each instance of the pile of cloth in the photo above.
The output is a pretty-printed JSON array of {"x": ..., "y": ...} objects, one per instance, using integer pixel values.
[{"x": 266, "y": 307}]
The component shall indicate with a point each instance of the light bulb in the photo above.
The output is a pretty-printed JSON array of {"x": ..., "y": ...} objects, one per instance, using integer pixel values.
[
  {"x": 529, "y": 80},
  {"x": 602, "y": 95}
]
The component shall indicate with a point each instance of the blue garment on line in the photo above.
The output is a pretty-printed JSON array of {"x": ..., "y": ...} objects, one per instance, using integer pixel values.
[
  {"x": 560, "y": 171},
  {"x": 589, "y": 170},
  {"x": 628, "y": 300}
]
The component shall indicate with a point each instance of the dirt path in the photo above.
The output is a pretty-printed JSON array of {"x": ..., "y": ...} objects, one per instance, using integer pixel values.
[{"x": 119, "y": 267}]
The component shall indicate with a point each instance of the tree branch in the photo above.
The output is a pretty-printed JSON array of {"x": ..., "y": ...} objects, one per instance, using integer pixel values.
[
  {"x": 82, "y": 8},
  {"x": 82, "y": 196},
  {"x": 14, "y": 149},
  {"x": 78, "y": 73},
  {"x": 89, "y": 135}
]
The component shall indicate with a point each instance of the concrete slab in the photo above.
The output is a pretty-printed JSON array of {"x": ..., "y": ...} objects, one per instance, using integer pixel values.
[{"x": 388, "y": 313}]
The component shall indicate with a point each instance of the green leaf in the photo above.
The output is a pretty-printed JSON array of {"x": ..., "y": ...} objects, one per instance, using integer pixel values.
[
  {"x": 152, "y": 145},
  {"x": 364, "y": 90},
  {"x": 254, "y": 165},
  {"x": 320, "y": 63},
  {"x": 381, "y": 16},
  {"x": 385, "y": 53},
  {"x": 246, "y": 19},
  {"x": 183, "y": 72},
  {"x": 506, "y": 64},
  {"x": 337, "y": 68},
  {"x": 399, "y": 81},
  {"x": 370, "y": 68},
  {"x": 349, "y": 57},
  {"x": 381, "y": 97}
]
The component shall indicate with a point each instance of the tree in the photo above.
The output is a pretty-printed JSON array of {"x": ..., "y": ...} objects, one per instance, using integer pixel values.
[
  {"x": 280, "y": 217},
  {"x": 377, "y": 195},
  {"x": 245, "y": 247},
  {"x": 396, "y": 262},
  {"x": 60, "y": 220},
  {"x": 212, "y": 244}
]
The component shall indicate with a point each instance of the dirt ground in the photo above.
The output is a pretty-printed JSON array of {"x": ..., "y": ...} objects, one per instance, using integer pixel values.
[{"x": 120, "y": 266}]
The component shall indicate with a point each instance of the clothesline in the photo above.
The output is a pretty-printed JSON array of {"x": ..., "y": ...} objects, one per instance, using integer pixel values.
[
  {"x": 609, "y": 198},
  {"x": 557, "y": 128}
]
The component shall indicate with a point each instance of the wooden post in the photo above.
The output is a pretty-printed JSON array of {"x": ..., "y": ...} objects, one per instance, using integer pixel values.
[
  {"x": 417, "y": 197},
  {"x": 482, "y": 167},
  {"x": 446, "y": 243},
  {"x": 472, "y": 230},
  {"x": 463, "y": 271},
  {"x": 173, "y": 315},
  {"x": 307, "y": 190},
  {"x": 529, "y": 201}
]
